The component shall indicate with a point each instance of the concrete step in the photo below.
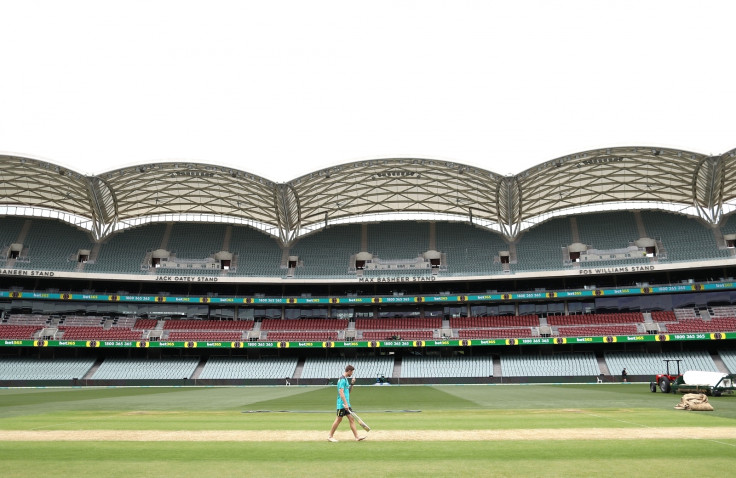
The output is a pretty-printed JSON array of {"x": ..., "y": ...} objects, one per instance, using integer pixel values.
[{"x": 396, "y": 373}]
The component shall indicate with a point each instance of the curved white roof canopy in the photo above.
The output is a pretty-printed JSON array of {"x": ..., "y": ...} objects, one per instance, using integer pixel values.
[{"x": 382, "y": 189}]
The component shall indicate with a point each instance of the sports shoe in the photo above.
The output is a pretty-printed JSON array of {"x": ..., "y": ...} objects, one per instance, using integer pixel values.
[
  {"x": 358, "y": 438},
  {"x": 332, "y": 439}
]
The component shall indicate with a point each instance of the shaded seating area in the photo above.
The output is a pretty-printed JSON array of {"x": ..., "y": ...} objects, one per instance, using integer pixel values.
[
  {"x": 82, "y": 321},
  {"x": 302, "y": 335},
  {"x": 596, "y": 319},
  {"x": 27, "y": 319},
  {"x": 125, "y": 251},
  {"x": 582, "y": 325},
  {"x": 492, "y": 322},
  {"x": 302, "y": 329},
  {"x": 98, "y": 333},
  {"x": 540, "y": 248},
  {"x": 145, "y": 324},
  {"x": 410, "y": 328},
  {"x": 255, "y": 254},
  {"x": 398, "y": 335},
  {"x": 327, "y": 253},
  {"x": 186, "y": 324},
  {"x": 398, "y": 323},
  {"x": 304, "y": 324},
  {"x": 470, "y": 250},
  {"x": 205, "y": 330},
  {"x": 209, "y": 336},
  {"x": 125, "y": 322},
  {"x": 664, "y": 316},
  {"x": 496, "y": 333},
  {"x": 52, "y": 245},
  {"x": 18, "y": 331},
  {"x": 684, "y": 320},
  {"x": 495, "y": 327},
  {"x": 595, "y": 330},
  {"x": 695, "y": 325},
  {"x": 684, "y": 238}
]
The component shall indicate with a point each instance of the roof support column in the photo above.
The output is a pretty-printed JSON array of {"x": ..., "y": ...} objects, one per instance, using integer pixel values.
[
  {"x": 508, "y": 205},
  {"x": 104, "y": 209},
  {"x": 708, "y": 184},
  {"x": 288, "y": 213}
]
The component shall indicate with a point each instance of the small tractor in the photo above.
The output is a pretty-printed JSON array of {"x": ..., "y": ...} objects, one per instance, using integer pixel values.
[{"x": 664, "y": 380}]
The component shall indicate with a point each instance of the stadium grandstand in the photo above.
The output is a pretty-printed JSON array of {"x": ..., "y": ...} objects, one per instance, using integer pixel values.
[{"x": 419, "y": 270}]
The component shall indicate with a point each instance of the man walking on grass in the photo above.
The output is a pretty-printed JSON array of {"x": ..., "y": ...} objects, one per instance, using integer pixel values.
[{"x": 343, "y": 404}]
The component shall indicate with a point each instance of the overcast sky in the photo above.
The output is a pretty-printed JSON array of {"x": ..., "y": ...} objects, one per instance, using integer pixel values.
[{"x": 283, "y": 88}]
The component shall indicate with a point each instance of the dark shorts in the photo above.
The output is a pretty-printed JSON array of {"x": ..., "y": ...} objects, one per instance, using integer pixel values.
[{"x": 341, "y": 412}]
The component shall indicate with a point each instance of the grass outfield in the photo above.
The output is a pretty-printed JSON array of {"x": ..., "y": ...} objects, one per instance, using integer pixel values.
[{"x": 498, "y": 430}]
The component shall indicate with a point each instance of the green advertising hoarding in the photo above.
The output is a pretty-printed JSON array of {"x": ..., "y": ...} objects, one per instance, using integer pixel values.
[
  {"x": 372, "y": 343},
  {"x": 496, "y": 297}
]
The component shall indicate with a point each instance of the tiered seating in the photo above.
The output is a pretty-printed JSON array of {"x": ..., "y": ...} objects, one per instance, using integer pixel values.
[
  {"x": 575, "y": 364},
  {"x": 27, "y": 319},
  {"x": 302, "y": 335},
  {"x": 398, "y": 272},
  {"x": 398, "y": 324},
  {"x": 145, "y": 369},
  {"x": 333, "y": 367},
  {"x": 195, "y": 240},
  {"x": 217, "y": 336},
  {"x": 497, "y": 333},
  {"x": 639, "y": 363},
  {"x": 728, "y": 224},
  {"x": 431, "y": 367},
  {"x": 98, "y": 333},
  {"x": 596, "y": 319},
  {"x": 609, "y": 230},
  {"x": 327, "y": 253},
  {"x": 729, "y": 359},
  {"x": 255, "y": 254},
  {"x": 398, "y": 335},
  {"x": 53, "y": 245},
  {"x": 499, "y": 321},
  {"x": 44, "y": 369},
  {"x": 469, "y": 250},
  {"x": 82, "y": 321},
  {"x": 400, "y": 328},
  {"x": 398, "y": 239},
  {"x": 684, "y": 314},
  {"x": 304, "y": 324},
  {"x": 145, "y": 324},
  {"x": 228, "y": 368},
  {"x": 125, "y": 251},
  {"x": 715, "y": 325},
  {"x": 724, "y": 324},
  {"x": 540, "y": 248},
  {"x": 10, "y": 228},
  {"x": 595, "y": 330},
  {"x": 664, "y": 316},
  {"x": 684, "y": 238},
  {"x": 185, "y": 324},
  {"x": 125, "y": 322},
  {"x": 723, "y": 311},
  {"x": 18, "y": 331}
]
